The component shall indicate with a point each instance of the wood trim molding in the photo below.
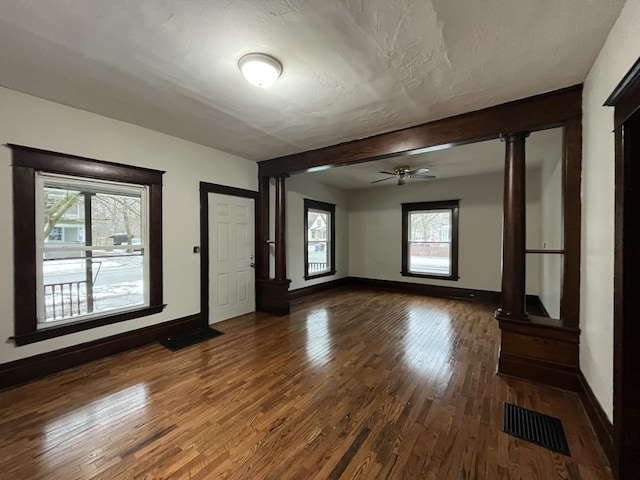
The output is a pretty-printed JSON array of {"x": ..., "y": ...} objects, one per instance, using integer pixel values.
[
  {"x": 26, "y": 162},
  {"x": 205, "y": 190},
  {"x": 626, "y": 96},
  {"x": 67, "y": 164},
  {"x": 227, "y": 190},
  {"x": 626, "y": 331},
  {"x": 39, "y": 366},
  {"x": 601, "y": 424},
  {"x": 530, "y": 114}
]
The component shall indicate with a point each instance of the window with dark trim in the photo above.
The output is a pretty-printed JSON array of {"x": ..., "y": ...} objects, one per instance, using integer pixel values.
[
  {"x": 87, "y": 243},
  {"x": 430, "y": 239},
  {"x": 319, "y": 235}
]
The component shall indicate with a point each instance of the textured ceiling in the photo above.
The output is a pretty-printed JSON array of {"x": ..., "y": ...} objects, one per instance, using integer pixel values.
[{"x": 352, "y": 68}]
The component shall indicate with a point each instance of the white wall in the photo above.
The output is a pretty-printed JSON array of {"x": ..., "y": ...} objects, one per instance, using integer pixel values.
[
  {"x": 620, "y": 51},
  {"x": 300, "y": 187},
  {"x": 375, "y": 229},
  {"x": 31, "y": 121}
]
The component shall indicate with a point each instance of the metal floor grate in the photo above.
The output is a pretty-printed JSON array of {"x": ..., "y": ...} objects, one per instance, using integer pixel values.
[{"x": 535, "y": 427}]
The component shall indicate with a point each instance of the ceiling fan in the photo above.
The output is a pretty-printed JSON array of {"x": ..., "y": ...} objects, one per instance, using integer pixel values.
[{"x": 403, "y": 172}]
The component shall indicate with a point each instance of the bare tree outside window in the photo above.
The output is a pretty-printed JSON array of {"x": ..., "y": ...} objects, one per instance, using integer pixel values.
[{"x": 92, "y": 249}]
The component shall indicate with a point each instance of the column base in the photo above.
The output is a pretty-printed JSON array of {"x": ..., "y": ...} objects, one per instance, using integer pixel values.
[
  {"x": 505, "y": 315},
  {"x": 272, "y": 296},
  {"x": 540, "y": 350}
]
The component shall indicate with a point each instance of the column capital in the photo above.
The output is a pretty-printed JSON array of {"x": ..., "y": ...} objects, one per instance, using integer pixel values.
[{"x": 512, "y": 137}]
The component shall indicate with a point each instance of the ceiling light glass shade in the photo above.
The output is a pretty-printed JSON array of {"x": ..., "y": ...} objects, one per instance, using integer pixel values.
[{"x": 259, "y": 69}]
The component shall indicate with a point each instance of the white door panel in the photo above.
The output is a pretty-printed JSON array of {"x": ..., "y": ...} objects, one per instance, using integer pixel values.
[{"x": 231, "y": 243}]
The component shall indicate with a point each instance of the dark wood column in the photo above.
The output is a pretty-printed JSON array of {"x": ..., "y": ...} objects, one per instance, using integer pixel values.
[
  {"x": 262, "y": 233},
  {"x": 281, "y": 229},
  {"x": 533, "y": 348},
  {"x": 272, "y": 294},
  {"x": 514, "y": 229}
]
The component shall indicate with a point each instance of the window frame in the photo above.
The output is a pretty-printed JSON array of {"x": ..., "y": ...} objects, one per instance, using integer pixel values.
[
  {"x": 331, "y": 210},
  {"x": 407, "y": 208},
  {"x": 26, "y": 161}
]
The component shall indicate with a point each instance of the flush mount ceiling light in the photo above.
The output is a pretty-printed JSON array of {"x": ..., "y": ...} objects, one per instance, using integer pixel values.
[{"x": 259, "y": 69}]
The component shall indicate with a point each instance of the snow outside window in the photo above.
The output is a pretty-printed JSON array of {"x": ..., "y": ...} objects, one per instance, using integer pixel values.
[{"x": 91, "y": 250}]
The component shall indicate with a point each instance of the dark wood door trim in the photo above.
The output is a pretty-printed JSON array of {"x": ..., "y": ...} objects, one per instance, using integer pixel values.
[
  {"x": 626, "y": 96},
  {"x": 205, "y": 190},
  {"x": 626, "y": 382}
]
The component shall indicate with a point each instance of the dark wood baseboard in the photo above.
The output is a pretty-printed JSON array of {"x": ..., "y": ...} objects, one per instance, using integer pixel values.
[
  {"x": 299, "y": 293},
  {"x": 489, "y": 296},
  {"x": 602, "y": 426},
  {"x": 33, "y": 368},
  {"x": 428, "y": 290}
]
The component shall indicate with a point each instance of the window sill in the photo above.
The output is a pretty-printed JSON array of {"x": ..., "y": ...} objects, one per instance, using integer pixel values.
[
  {"x": 53, "y": 332},
  {"x": 319, "y": 275},
  {"x": 453, "y": 278}
]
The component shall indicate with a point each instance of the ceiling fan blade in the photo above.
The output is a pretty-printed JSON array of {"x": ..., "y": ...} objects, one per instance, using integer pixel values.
[
  {"x": 388, "y": 173},
  {"x": 388, "y": 178},
  {"x": 424, "y": 177},
  {"x": 400, "y": 181},
  {"x": 418, "y": 171}
]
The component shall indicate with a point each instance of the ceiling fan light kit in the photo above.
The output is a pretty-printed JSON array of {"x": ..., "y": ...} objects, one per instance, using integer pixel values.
[
  {"x": 260, "y": 69},
  {"x": 403, "y": 172}
]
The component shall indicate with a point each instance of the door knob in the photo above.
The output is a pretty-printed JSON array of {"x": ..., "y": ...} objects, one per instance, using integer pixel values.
[{"x": 252, "y": 265}]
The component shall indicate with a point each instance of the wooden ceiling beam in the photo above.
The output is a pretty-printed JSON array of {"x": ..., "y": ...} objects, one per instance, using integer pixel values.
[{"x": 539, "y": 112}]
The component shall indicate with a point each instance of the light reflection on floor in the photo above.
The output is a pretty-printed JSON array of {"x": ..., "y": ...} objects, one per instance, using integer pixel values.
[
  {"x": 428, "y": 342},
  {"x": 318, "y": 337},
  {"x": 90, "y": 420}
]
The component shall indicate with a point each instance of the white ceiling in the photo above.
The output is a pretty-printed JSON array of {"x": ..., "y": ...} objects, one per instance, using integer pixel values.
[
  {"x": 352, "y": 68},
  {"x": 473, "y": 159}
]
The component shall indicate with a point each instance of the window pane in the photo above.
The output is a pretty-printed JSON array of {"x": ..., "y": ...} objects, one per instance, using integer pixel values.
[
  {"x": 318, "y": 241},
  {"x": 116, "y": 220},
  {"x": 318, "y": 257},
  {"x": 75, "y": 287},
  {"x": 432, "y": 226},
  {"x": 432, "y": 258},
  {"x": 430, "y": 242},
  {"x": 91, "y": 265},
  {"x": 63, "y": 217}
]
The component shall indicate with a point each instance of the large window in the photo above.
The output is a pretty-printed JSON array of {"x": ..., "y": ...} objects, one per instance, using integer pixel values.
[
  {"x": 319, "y": 234},
  {"x": 88, "y": 243},
  {"x": 430, "y": 239}
]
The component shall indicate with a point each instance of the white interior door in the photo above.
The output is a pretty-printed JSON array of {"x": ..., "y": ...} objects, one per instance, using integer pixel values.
[{"x": 231, "y": 256}]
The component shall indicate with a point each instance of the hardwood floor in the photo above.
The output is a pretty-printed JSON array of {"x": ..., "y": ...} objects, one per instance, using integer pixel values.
[{"x": 352, "y": 384}]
